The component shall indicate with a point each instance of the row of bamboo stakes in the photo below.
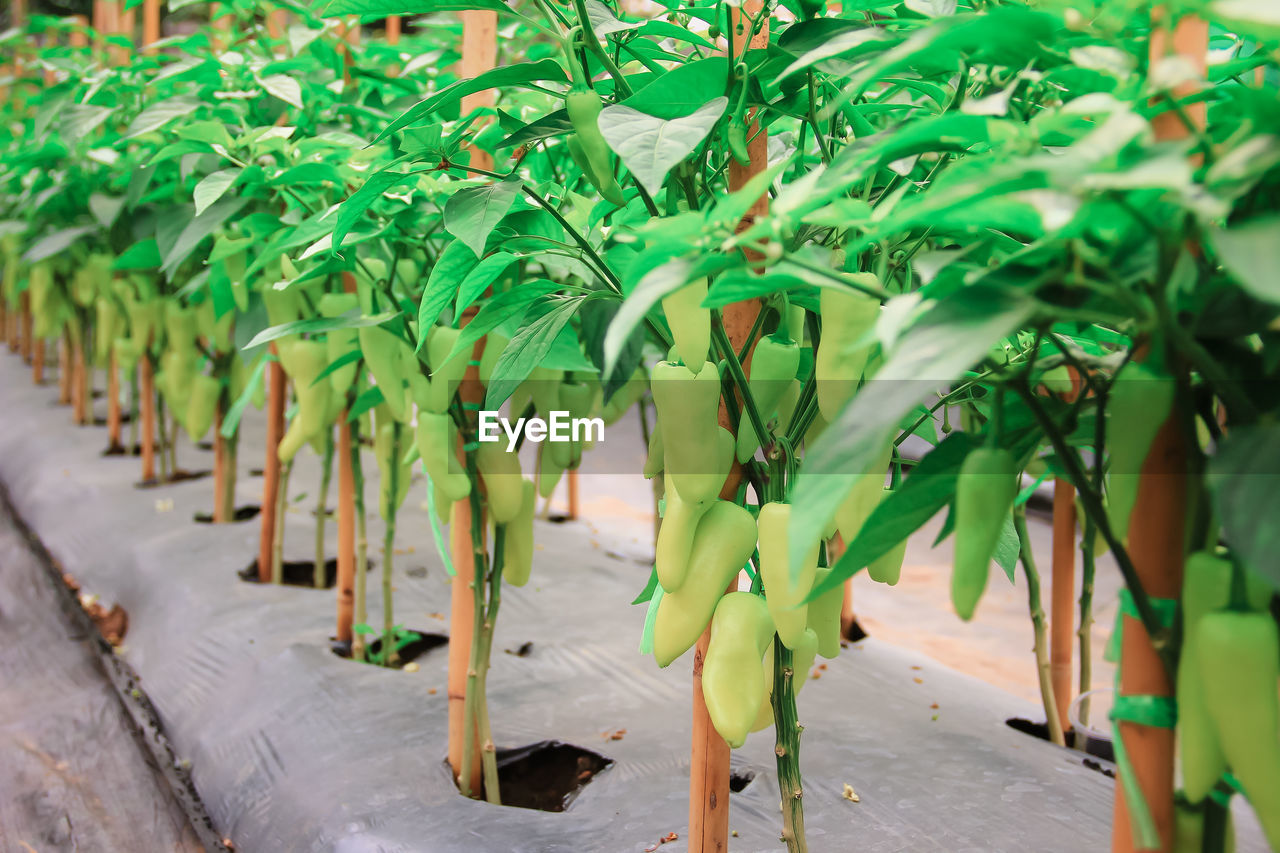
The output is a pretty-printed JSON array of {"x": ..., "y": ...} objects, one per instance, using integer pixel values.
[{"x": 1156, "y": 538}]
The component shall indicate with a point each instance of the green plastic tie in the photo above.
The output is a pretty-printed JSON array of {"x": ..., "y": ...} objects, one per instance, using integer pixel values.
[
  {"x": 435, "y": 528},
  {"x": 470, "y": 407},
  {"x": 470, "y": 446}
]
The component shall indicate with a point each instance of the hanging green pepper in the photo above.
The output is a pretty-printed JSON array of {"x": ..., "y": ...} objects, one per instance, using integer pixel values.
[
  {"x": 985, "y": 490},
  {"x": 733, "y": 682},
  {"x": 202, "y": 407},
  {"x": 625, "y": 397},
  {"x": 304, "y": 361},
  {"x": 774, "y": 363},
  {"x": 584, "y": 106},
  {"x": 824, "y": 616},
  {"x": 446, "y": 373},
  {"x": 784, "y": 592},
  {"x": 1239, "y": 657},
  {"x": 106, "y": 328},
  {"x": 339, "y": 342},
  {"x": 518, "y": 548},
  {"x": 864, "y": 497},
  {"x": 847, "y": 316},
  {"x": 887, "y": 568},
  {"x": 436, "y": 438},
  {"x": 723, "y": 543},
  {"x": 1206, "y": 587},
  {"x": 549, "y": 469},
  {"x": 736, "y": 136},
  {"x": 688, "y": 409},
  {"x": 577, "y": 398},
  {"x": 1137, "y": 406},
  {"x": 390, "y": 360},
  {"x": 690, "y": 323},
  {"x": 503, "y": 481}
]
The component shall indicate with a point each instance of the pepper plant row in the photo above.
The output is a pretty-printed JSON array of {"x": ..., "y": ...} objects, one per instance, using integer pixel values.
[{"x": 806, "y": 235}]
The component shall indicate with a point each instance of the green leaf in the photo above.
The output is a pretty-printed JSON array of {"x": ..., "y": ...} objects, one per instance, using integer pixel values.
[
  {"x": 649, "y": 590},
  {"x": 368, "y": 399},
  {"x": 1007, "y": 548},
  {"x": 105, "y": 208},
  {"x": 212, "y": 186},
  {"x": 472, "y": 213},
  {"x": 284, "y": 87},
  {"x": 383, "y": 8},
  {"x": 318, "y": 324},
  {"x": 142, "y": 255},
  {"x": 198, "y": 229},
  {"x": 554, "y": 124},
  {"x": 502, "y": 77},
  {"x": 350, "y": 357},
  {"x": 682, "y": 90},
  {"x": 478, "y": 280},
  {"x": 231, "y": 422},
  {"x": 452, "y": 268},
  {"x": 922, "y": 495},
  {"x": 355, "y": 206},
  {"x": 657, "y": 283},
  {"x": 603, "y": 21},
  {"x": 77, "y": 121},
  {"x": 56, "y": 243},
  {"x": 526, "y": 351},
  {"x": 947, "y": 339},
  {"x": 496, "y": 311},
  {"x": 650, "y": 146},
  {"x": 1251, "y": 254},
  {"x": 159, "y": 114},
  {"x": 1244, "y": 480}
]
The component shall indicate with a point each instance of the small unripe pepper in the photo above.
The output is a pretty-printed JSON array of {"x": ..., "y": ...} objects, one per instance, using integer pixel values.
[
  {"x": 985, "y": 490},
  {"x": 733, "y": 684},
  {"x": 1139, "y": 401},
  {"x": 784, "y": 596},
  {"x": 774, "y": 363}
]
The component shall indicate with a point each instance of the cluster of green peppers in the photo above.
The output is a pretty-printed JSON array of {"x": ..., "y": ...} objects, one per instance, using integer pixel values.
[{"x": 587, "y": 144}]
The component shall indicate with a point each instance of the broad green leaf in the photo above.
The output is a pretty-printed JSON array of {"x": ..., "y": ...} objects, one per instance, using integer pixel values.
[
  {"x": 56, "y": 243},
  {"x": 471, "y": 214},
  {"x": 502, "y": 77},
  {"x": 683, "y": 90},
  {"x": 212, "y": 187},
  {"x": 451, "y": 269},
  {"x": 284, "y": 87},
  {"x": 1251, "y": 253},
  {"x": 355, "y": 206},
  {"x": 318, "y": 324},
  {"x": 949, "y": 337},
  {"x": 551, "y": 125},
  {"x": 603, "y": 21},
  {"x": 142, "y": 255},
  {"x": 198, "y": 229},
  {"x": 498, "y": 310},
  {"x": 484, "y": 274},
  {"x": 105, "y": 208},
  {"x": 77, "y": 121},
  {"x": 159, "y": 114},
  {"x": 368, "y": 399},
  {"x": 651, "y": 146},
  {"x": 1244, "y": 480},
  {"x": 656, "y": 284},
  {"x": 349, "y": 357},
  {"x": 1007, "y": 548},
  {"x": 527, "y": 350}
]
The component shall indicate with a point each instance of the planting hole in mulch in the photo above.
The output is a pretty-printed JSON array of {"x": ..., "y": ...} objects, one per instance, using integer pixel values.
[
  {"x": 242, "y": 513},
  {"x": 740, "y": 779},
  {"x": 299, "y": 573},
  {"x": 179, "y": 476},
  {"x": 547, "y": 775},
  {"x": 854, "y": 632},
  {"x": 204, "y": 445},
  {"x": 419, "y": 645},
  {"x": 1091, "y": 746},
  {"x": 255, "y": 472},
  {"x": 558, "y": 518},
  {"x": 121, "y": 450}
]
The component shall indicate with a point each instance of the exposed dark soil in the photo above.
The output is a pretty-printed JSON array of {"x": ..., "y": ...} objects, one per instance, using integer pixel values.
[
  {"x": 740, "y": 779},
  {"x": 1099, "y": 749},
  {"x": 409, "y": 652},
  {"x": 242, "y": 513},
  {"x": 547, "y": 775},
  {"x": 121, "y": 450},
  {"x": 299, "y": 572},
  {"x": 179, "y": 476}
]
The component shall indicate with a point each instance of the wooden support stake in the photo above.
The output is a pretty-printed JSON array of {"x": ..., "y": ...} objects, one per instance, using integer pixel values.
[
  {"x": 479, "y": 52},
  {"x": 709, "y": 757},
  {"x": 147, "y": 402},
  {"x": 27, "y": 327},
  {"x": 346, "y": 514},
  {"x": 393, "y": 30},
  {"x": 573, "y": 494},
  {"x": 1156, "y": 528},
  {"x": 150, "y": 24},
  {"x": 114, "y": 416},
  {"x": 1062, "y": 597},
  {"x": 79, "y": 384},
  {"x": 64, "y": 369},
  {"x": 271, "y": 466},
  {"x": 37, "y": 363}
]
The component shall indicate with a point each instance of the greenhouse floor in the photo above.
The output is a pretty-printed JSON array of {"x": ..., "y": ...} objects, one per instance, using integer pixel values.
[{"x": 292, "y": 748}]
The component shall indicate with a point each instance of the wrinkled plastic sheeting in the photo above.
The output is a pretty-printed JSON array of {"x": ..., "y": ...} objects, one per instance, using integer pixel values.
[{"x": 294, "y": 749}]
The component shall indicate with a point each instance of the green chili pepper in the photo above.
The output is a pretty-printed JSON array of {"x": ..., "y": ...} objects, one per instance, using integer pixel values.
[
  {"x": 390, "y": 360},
  {"x": 841, "y": 357},
  {"x": 723, "y": 543},
  {"x": 736, "y": 136},
  {"x": 549, "y": 470},
  {"x": 690, "y": 323},
  {"x": 446, "y": 373},
  {"x": 503, "y": 481},
  {"x": 339, "y": 342},
  {"x": 304, "y": 361},
  {"x": 824, "y": 616},
  {"x": 680, "y": 522},
  {"x": 436, "y": 436},
  {"x": 733, "y": 682},
  {"x": 1206, "y": 587},
  {"x": 106, "y": 328},
  {"x": 784, "y": 591},
  {"x": 202, "y": 407},
  {"x": 625, "y": 397},
  {"x": 863, "y": 498},
  {"x": 1137, "y": 406},
  {"x": 577, "y": 398},
  {"x": 584, "y": 106},
  {"x": 1188, "y": 826},
  {"x": 774, "y": 363},
  {"x": 887, "y": 568},
  {"x": 688, "y": 407},
  {"x": 518, "y": 550},
  {"x": 1239, "y": 657},
  {"x": 985, "y": 490}
]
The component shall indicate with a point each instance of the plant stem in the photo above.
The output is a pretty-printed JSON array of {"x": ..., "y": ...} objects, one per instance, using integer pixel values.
[
  {"x": 164, "y": 438},
  {"x": 326, "y": 475},
  {"x": 226, "y": 508},
  {"x": 133, "y": 409},
  {"x": 389, "y": 655},
  {"x": 479, "y": 570},
  {"x": 488, "y": 753},
  {"x": 1043, "y": 665},
  {"x": 787, "y": 749},
  {"x": 1088, "y": 566},
  {"x": 360, "y": 605},
  {"x": 282, "y": 506}
]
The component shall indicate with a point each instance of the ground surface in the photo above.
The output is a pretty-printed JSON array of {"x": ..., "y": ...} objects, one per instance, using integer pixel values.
[{"x": 72, "y": 773}]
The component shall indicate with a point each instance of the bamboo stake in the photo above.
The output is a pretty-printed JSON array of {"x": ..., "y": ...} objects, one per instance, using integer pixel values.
[
  {"x": 147, "y": 396},
  {"x": 28, "y": 326},
  {"x": 150, "y": 24},
  {"x": 271, "y": 467},
  {"x": 220, "y": 511},
  {"x": 1061, "y": 597},
  {"x": 64, "y": 367},
  {"x": 346, "y": 531},
  {"x": 479, "y": 52},
  {"x": 573, "y": 494},
  {"x": 709, "y": 755},
  {"x": 393, "y": 30},
  {"x": 126, "y": 25},
  {"x": 37, "y": 364},
  {"x": 79, "y": 381},
  {"x": 1156, "y": 537},
  {"x": 113, "y": 405}
]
